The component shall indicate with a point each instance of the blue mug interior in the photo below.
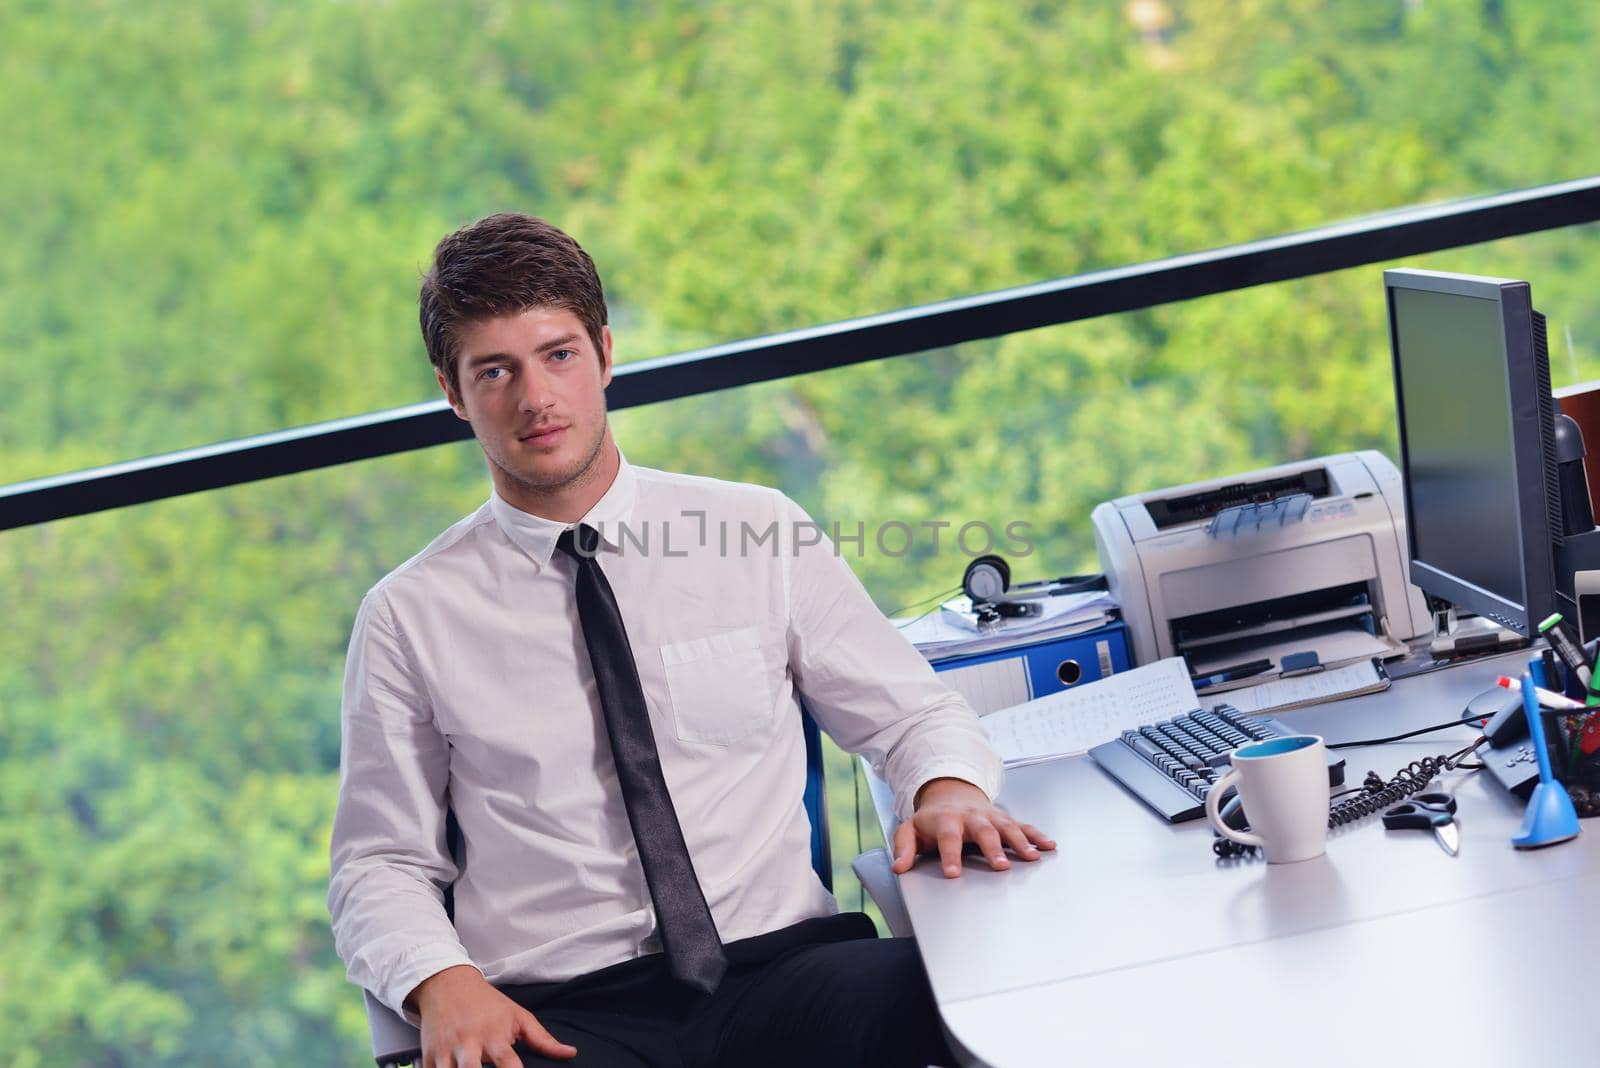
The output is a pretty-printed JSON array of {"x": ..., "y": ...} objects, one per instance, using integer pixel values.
[{"x": 1270, "y": 747}]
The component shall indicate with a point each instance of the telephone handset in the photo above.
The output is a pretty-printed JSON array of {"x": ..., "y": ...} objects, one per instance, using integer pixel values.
[
  {"x": 1502, "y": 715},
  {"x": 1509, "y": 756}
]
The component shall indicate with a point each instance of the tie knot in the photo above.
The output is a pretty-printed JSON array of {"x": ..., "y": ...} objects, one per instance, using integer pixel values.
[{"x": 583, "y": 546}]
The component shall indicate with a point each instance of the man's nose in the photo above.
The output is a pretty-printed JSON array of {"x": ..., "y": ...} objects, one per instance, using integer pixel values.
[{"x": 536, "y": 394}]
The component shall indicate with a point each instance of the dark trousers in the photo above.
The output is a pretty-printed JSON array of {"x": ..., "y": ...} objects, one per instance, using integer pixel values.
[{"x": 825, "y": 992}]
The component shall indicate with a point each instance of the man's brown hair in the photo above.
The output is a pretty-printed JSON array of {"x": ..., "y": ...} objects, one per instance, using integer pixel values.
[{"x": 503, "y": 265}]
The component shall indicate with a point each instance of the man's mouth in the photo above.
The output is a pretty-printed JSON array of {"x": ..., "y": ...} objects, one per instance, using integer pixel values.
[{"x": 544, "y": 435}]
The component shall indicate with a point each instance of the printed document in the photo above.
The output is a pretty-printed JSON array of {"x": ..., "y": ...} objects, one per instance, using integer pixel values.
[{"x": 1073, "y": 721}]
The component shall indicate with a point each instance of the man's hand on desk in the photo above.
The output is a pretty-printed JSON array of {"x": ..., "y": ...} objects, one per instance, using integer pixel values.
[
  {"x": 465, "y": 1021},
  {"x": 951, "y": 812}
]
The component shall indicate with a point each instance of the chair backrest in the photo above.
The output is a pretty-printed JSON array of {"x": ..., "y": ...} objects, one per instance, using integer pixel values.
[
  {"x": 394, "y": 1041},
  {"x": 816, "y": 800}
]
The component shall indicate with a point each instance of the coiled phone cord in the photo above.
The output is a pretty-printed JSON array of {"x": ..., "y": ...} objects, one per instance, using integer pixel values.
[{"x": 1373, "y": 795}]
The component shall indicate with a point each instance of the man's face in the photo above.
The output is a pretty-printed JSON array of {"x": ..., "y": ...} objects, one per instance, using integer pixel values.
[{"x": 533, "y": 388}]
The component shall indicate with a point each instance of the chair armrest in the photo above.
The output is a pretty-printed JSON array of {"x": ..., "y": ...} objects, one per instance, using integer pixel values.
[
  {"x": 883, "y": 886},
  {"x": 394, "y": 1041}
]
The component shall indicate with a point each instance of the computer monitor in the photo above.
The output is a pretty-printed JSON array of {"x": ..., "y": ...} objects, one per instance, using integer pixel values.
[{"x": 1477, "y": 444}]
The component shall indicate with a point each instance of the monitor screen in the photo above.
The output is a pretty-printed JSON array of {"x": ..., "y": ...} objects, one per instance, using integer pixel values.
[{"x": 1472, "y": 383}]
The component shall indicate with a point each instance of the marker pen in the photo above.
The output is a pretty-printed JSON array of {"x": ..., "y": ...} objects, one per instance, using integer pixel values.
[
  {"x": 1548, "y": 698},
  {"x": 1564, "y": 646}
]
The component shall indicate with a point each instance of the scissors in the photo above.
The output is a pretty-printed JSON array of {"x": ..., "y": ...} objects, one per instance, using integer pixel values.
[{"x": 1434, "y": 812}]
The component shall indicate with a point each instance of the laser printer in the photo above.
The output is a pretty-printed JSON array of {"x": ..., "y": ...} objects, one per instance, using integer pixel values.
[{"x": 1303, "y": 557}]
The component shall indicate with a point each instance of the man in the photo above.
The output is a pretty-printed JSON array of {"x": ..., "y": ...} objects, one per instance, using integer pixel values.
[{"x": 597, "y": 674}]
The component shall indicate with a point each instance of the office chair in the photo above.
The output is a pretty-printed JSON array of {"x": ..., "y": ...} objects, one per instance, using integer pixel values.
[{"x": 396, "y": 1042}]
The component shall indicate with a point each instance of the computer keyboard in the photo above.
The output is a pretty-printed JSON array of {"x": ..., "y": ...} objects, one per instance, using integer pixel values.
[{"x": 1171, "y": 765}]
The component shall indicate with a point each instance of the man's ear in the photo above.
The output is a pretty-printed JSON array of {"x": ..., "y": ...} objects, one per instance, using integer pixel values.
[
  {"x": 450, "y": 395},
  {"x": 605, "y": 356}
]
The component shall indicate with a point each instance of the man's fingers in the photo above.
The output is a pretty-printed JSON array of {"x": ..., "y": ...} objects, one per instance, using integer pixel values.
[
  {"x": 905, "y": 848},
  {"x": 1017, "y": 839},
  {"x": 467, "y": 1055},
  {"x": 542, "y": 1041},
  {"x": 1038, "y": 837},
  {"x": 501, "y": 1055},
  {"x": 950, "y": 839},
  {"x": 948, "y": 827},
  {"x": 983, "y": 833}
]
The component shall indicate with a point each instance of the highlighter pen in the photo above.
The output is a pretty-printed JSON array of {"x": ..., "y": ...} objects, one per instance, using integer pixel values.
[
  {"x": 1570, "y": 654},
  {"x": 1548, "y": 698}
]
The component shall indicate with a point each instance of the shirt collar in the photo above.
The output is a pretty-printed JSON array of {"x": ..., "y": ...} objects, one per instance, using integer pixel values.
[{"x": 537, "y": 536}]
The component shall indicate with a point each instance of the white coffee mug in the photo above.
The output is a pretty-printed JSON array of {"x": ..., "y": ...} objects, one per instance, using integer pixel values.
[{"x": 1283, "y": 786}]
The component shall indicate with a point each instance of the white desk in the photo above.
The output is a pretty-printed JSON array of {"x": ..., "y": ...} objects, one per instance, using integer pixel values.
[{"x": 1133, "y": 944}]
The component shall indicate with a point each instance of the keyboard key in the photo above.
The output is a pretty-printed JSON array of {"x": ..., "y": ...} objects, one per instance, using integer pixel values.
[{"x": 1143, "y": 747}]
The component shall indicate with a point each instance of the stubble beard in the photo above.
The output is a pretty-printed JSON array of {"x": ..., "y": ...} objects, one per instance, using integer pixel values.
[{"x": 554, "y": 481}]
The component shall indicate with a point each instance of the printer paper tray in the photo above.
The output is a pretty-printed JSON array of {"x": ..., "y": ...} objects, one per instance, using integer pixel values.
[
  {"x": 1334, "y": 644},
  {"x": 1268, "y": 628}
]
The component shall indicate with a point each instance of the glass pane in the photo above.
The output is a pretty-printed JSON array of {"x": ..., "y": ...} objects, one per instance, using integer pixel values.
[
  {"x": 169, "y": 680},
  {"x": 169, "y": 736},
  {"x": 215, "y": 214}
]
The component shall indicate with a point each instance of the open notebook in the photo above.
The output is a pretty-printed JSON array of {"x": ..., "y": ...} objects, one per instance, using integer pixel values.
[{"x": 1073, "y": 721}]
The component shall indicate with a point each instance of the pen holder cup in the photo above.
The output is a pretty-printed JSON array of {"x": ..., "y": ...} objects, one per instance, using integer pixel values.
[
  {"x": 1569, "y": 735},
  {"x": 1564, "y": 733}
]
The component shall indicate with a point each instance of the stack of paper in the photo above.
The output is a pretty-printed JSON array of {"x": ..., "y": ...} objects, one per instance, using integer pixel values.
[
  {"x": 937, "y": 638},
  {"x": 1335, "y": 684},
  {"x": 1073, "y": 721}
]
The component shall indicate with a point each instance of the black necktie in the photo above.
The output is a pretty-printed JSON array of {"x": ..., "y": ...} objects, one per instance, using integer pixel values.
[{"x": 688, "y": 934}]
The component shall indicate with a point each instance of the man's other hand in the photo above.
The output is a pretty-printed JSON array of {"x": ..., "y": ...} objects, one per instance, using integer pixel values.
[
  {"x": 952, "y": 812},
  {"x": 467, "y": 1023}
]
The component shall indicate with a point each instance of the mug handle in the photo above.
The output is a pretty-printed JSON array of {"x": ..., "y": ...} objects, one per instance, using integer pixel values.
[{"x": 1214, "y": 798}]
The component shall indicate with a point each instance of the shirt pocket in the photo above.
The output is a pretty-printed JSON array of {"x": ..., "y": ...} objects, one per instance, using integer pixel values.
[{"x": 718, "y": 686}]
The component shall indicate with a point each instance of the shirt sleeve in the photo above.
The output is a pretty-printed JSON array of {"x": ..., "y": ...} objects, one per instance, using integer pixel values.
[
  {"x": 865, "y": 683},
  {"x": 389, "y": 861}
]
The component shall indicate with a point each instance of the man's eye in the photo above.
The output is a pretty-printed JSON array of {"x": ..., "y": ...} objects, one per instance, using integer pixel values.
[
  {"x": 562, "y": 355},
  {"x": 488, "y": 374}
]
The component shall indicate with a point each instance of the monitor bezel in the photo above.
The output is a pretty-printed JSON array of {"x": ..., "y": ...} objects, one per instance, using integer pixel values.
[{"x": 1529, "y": 438}]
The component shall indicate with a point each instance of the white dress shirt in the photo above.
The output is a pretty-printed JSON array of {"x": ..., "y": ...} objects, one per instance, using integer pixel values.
[{"x": 468, "y": 686}]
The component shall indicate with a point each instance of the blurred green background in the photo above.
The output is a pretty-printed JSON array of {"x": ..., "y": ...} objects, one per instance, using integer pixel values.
[{"x": 215, "y": 217}]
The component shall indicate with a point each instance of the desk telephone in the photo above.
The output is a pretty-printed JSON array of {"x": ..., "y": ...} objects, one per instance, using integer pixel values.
[{"x": 1509, "y": 756}]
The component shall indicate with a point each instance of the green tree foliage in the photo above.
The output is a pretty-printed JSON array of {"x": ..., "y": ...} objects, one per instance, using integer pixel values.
[{"x": 216, "y": 215}]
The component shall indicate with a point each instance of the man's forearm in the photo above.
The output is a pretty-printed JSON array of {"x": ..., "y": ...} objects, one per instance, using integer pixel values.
[{"x": 390, "y": 927}]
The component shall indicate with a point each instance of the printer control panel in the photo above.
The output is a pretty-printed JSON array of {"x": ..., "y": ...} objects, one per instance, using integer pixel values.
[{"x": 1331, "y": 510}]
